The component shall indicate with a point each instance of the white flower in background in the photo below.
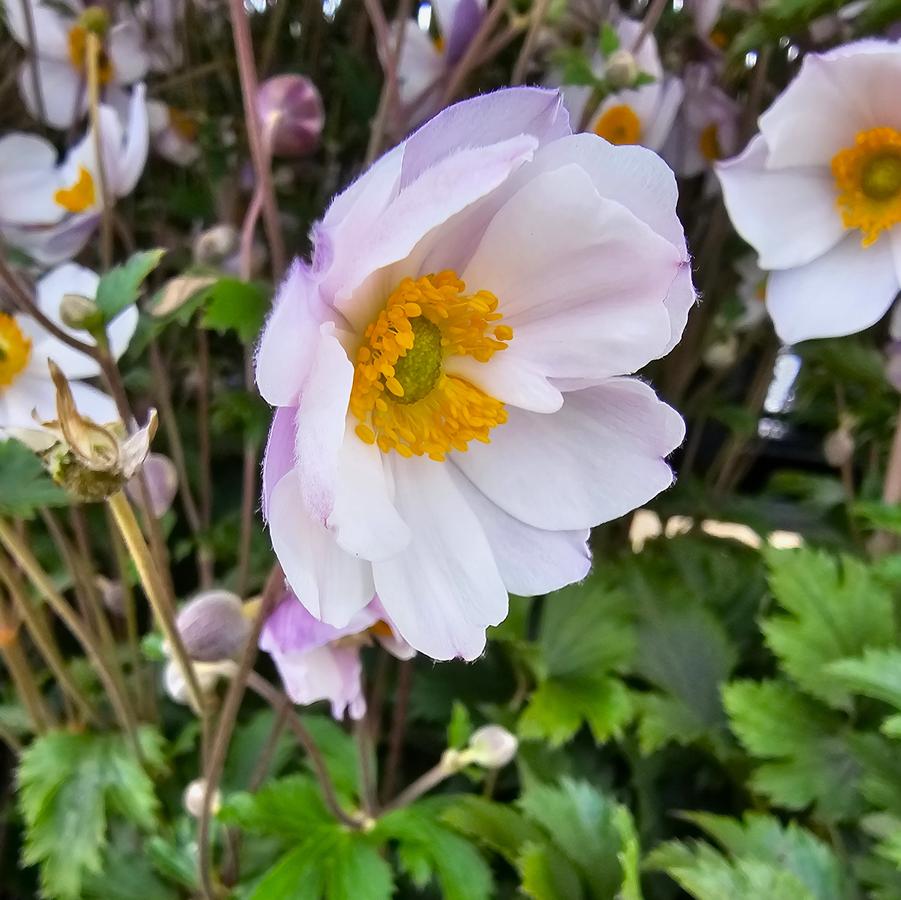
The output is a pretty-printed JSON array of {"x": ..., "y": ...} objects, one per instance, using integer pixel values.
[
  {"x": 751, "y": 292},
  {"x": 173, "y": 133},
  {"x": 59, "y": 56},
  {"x": 642, "y": 115},
  {"x": 425, "y": 61},
  {"x": 818, "y": 193},
  {"x": 706, "y": 128},
  {"x": 25, "y": 348},
  {"x": 49, "y": 209}
]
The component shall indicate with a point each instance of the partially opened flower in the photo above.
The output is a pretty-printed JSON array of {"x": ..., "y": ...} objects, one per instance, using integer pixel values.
[
  {"x": 425, "y": 61},
  {"x": 50, "y": 208},
  {"x": 451, "y": 416},
  {"x": 818, "y": 193},
  {"x": 26, "y": 346},
  {"x": 53, "y": 84},
  {"x": 319, "y": 662},
  {"x": 706, "y": 128},
  {"x": 173, "y": 133},
  {"x": 640, "y": 115}
]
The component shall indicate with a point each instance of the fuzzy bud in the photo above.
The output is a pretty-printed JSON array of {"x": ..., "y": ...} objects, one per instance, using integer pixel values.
[
  {"x": 216, "y": 244},
  {"x": 838, "y": 447},
  {"x": 491, "y": 747},
  {"x": 621, "y": 69},
  {"x": 80, "y": 313},
  {"x": 213, "y": 626},
  {"x": 193, "y": 798},
  {"x": 290, "y": 108}
]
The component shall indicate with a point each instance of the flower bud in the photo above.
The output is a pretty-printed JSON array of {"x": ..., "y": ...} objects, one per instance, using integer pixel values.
[
  {"x": 215, "y": 244},
  {"x": 621, "y": 69},
  {"x": 838, "y": 447},
  {"x": 112, "y": 594},
  {"x": 213, "y": 626},
  {"x": 162, "y": 484},
  {"x": 80, "y": 313},
  {"x": 491, "y": 747},
  {"x": 290, "y": 108},
  {"x": 722, "y": 354},
  {"x": 193, "y": 798},
  {"x": 208, "y": 675}
]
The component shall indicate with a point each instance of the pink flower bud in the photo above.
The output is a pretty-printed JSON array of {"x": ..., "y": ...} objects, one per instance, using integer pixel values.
[
  {"x": 213, "y": 626},
  {"x": 291, "y": 111},
  {"x": 162, "y": 483}
]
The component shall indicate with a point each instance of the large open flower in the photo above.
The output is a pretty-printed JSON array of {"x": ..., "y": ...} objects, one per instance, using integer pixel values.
[
  {"x": 26, "y": 346},
  {"x": 50, "y": 208},
  {"x": 818, "y": 193},
  {"x": 452, "y": 417},
  {"x": 54, "y": 83}
]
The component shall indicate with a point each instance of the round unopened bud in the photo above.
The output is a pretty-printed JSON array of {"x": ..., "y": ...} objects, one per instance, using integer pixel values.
[
  {"x": 162, "y": 483},
  {"x": 193, "y": 798},
  {"x": 838, "y": 447},
  {"x": 290, "y": 108},
  {"x": 491, "y": 747},
  {"x": 213, "y": 246},
  {"x": 722, "y": 354},
  {"x": 212, "y": 626},
  {"x": 80, "y": 313},
  {"x": 621, "y": 69}
]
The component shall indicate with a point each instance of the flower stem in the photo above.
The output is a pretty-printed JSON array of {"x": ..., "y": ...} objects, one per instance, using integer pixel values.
[
  {"x": 448, "y": 765},
  {"x": 107, "y": 199}
]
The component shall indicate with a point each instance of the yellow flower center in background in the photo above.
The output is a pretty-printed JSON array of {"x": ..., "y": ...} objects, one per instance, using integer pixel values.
[
  {"x": 402, "y": 396},
  {"x": 15, "y": 349},
  {"x": 78, "y": 48},
  {"x": 868, "y": 178},
  {"x": 619, "y": 125},
  {"x": 709, "y": 143},
  {"x": 183, "y": 124},
  {"x": 79, "y": 196}
]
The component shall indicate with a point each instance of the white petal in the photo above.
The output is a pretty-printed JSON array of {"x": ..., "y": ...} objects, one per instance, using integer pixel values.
[
  {"x": 511, "y": 379},
  {"x": 789, "y": 216},
  {"x": 420, "y": 64},
  {"x": 599, "y": 457},
  {"x": 658, "y": 128},
  {"x": 127, "y": 53},
  {"x": 64, "y": 97},
  {"x": 364, "y": 519},
  {"x": 321, "y": 418},
  {"x": 844, "y": 291},
  {"x": 443, "y": 590},
  {"x": 94, "y": 404},
  {"x": 133, "y": 156},
  {"x": 28, "y": 180},
  {"x": 531, "y": 561},
  {"x": 330, "y": 583},
  {"x": 278, "y": 459},
  {"x": 28, "y": 392},
  {"x": 54, "y": 243}
]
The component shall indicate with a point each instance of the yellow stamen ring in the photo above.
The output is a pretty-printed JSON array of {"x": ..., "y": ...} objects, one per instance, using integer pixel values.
[
  {"x": 868, "y": 179},
  {"x": 401, "y": 395}
]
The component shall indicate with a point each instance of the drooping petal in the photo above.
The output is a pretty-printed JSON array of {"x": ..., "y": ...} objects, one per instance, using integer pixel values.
[
  {"x": 843, "y": 291},
  {"x": 132, "y": 157},
  {"x": 127, "y": 52},
  {"x": 602, "y": 455},
  {"x": 531, "y": 561},
  {"x": 64, "y": 98},
  {"x": 332, "y": 584},
  {"x": 278, "y": 458},
  {"x": 461, "y": 26},
  {"x": 789, "y": 216},
  {"x": 444, "y": 589}
]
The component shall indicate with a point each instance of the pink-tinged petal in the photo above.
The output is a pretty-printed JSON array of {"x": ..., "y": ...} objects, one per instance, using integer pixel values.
[
  {"x": 321, "y": 419},
  {"x": 511, "y": 379},
  {"x": 28, "y": 180},
  {"x": 420, "y": 64},
  {"x": 602, "y": 455},
  {"x": 531, "y": 561},
  {"x": 844, "y": 291},
  {"x": 285, "y": 352},
  {"x": 127, "y": 52},
  {"x": 440, "y": 192},
  {"x": 364, "y": 519},
  {"x": 278, "y": 459},
  {"x": 789, "y": 216},
  {"x": 331, "y": 584},
  {"x": 162, "y": 483},
  {"x": 834, "y": 96},
  {"x": 444, "y": 590},
  {"x": 580, "y": 279},
  {"x": 461, "y": 26},
  {"x": 291, "y": 627},
  {"x": 64, "y": 97}
]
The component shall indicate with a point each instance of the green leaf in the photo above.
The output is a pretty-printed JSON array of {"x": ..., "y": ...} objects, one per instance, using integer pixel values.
[
  {"x": 811, "y": 759},
  {"x": 608, "y": 42},
  {"x": 338, "y": 751},
  {"x": 119, "y": 287},
  {"x": 876, "y": 674},
  {"x": 460, "y": 727},
  {"x": 547, "y": 874},
  {"x": 834, "y": 611},
  {"x": 575, "y": 67},
  {"x": 234, "y": 305},
  {"x": 69, "y": 784},
  {"x": 24, "y": 485},
  {"x": 496, "y": 826},
  {"x": 286, "y": 807}
]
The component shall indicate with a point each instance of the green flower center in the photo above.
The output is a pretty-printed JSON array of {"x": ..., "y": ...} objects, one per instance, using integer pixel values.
[
  {"x": 881, "y": 177},
  {"x": 419, "y": 368}
]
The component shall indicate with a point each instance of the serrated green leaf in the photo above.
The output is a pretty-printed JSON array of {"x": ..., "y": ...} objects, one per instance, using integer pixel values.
[
  {"x": 234, "y": 305},
  {"x": 24, "y": 485},
  {"x": 500, "y": 828},
  {"x": 338, "y": 752},
  {"x": 120, "y": 287},
  {"x": 575, "y": 67},
  {"x": 608, "y": 41},
  {"x": 286, "y": 807},
  {"x": 547, "y": 874},
  {"x": 876, "y": 674},
  {"x": 833, "y": 611}
]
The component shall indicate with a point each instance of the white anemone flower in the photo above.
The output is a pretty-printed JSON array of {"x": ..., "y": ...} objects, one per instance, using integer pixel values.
[
  {"x": 53, "y": 81},
  {"x": 49, "y": 208},
  {"x": 817, "y": 193},
  {"x": 173, "y": 134},
  {"x": 26, "y": 346},
  {"x": 642, "y": 115},
  {"x": 452, "y": 413}
]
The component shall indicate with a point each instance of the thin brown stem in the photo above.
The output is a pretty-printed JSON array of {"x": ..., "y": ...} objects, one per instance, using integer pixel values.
[
  {"x": 398, "y": 728},
  {"x": 536, "y": 20},
  {"x": 473, "y": 52},
  {"x": 34, "y": 68},
  {"x": 20, "y": 672}
]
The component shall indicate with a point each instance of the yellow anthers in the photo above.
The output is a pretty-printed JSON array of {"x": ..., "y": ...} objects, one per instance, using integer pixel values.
[
  {"x": 619, "y": 125},
  {"x": 79, "y": 196},
  {"x": 15, "y": 350},
  {"x": 868, "y": 178},
  {"x": 402, "y": 396},
  {"x": 78, "y": 49},
  {"x": 709, "y": 143}
]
